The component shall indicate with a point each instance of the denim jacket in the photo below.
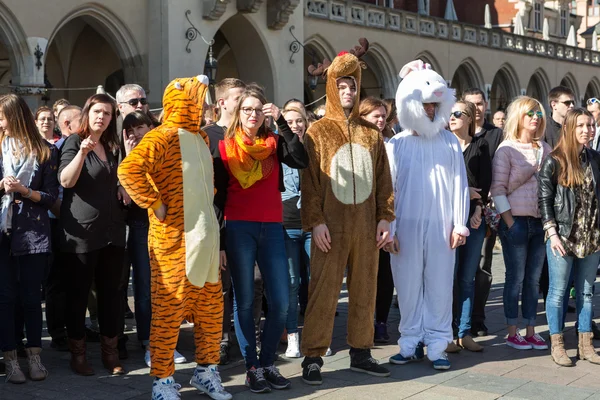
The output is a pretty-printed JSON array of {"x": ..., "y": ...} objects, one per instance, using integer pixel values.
[
  {"x": 291, "y": 182},
  {"x": 30, "y": 220}
]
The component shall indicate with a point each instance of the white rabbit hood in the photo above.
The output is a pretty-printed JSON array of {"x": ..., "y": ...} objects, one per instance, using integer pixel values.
[{"x": 420, "y": 84}]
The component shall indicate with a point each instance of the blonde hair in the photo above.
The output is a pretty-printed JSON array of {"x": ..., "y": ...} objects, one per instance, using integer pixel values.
[
  {"x": 470, "y": 111},
  {"x": 514, "y": 118},
  {"x": 570, "y": 172},
  {"x": 299, "y": 111},
  {"x": 236, "y": 123}
]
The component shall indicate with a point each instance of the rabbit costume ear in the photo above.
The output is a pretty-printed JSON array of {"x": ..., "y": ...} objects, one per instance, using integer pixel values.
[{"x": 415, "y": 65}]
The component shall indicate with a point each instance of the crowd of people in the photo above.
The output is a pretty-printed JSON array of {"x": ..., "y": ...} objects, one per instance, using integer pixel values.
[{"x": 220, "y": 208}]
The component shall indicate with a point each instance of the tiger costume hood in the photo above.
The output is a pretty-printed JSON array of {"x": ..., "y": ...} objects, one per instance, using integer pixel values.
[{"x": 183, "y": 103}]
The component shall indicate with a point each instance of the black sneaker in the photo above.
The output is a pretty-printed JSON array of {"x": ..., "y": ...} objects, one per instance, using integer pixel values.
[
  {"x": 275, "y": 379},
  {"x": 60, "y": 344},
  {"x": 361, "y": 361},
  {"x": 311, "y": 370},
  {"x": 224, "y": 354},
  {"x": 255, "y": 380},
  {"x": 479, "y": 329}
]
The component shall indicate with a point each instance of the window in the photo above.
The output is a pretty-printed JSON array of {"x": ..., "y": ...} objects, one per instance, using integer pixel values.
[
  {"x": 537, "y": 15},
  {"x": 564, "y": 21}
]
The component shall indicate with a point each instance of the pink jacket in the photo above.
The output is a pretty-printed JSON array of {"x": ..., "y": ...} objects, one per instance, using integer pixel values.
[{"x": 514, "y": 177}]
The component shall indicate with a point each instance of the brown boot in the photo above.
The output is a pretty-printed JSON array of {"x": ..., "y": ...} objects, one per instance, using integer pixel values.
[
  {"x": 110, "y": 355},
  {"x": 586, "y": 349},
  {"x": 468, "y": 343},
  {"x": 79, "y": 363},
  {"x": 558, "y": 352},
  {"x": 453, "y": 348},
  {"x": 13, "y": 370},
  {"x": 37, "y": 372}
]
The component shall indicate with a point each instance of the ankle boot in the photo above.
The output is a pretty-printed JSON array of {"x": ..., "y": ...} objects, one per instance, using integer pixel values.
[
  {"x": 37, "y": 372},
  {"x": 79, "y": 363},
  {"x": 110, "y": 355},
  {"x": 585, "y": 348},
  {"x": 13, "y": 370},
  {"x": 558, "y": 352}
]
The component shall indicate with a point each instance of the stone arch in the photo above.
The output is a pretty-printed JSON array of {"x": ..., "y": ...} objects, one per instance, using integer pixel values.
[
  {"x": 321, "y": 46},
  {"x": 245, "y": 42},
  {"x": 116, "y": 33},
  {"x": 381, "y": 65},
  {"x": 539, "y": 86},
  {"x": 430, "y": 59},
  {"x": 467, "y": 75},
  {"x": 570, "y": 82},
  {"x": 14, "y": 39},
  {"x": 592, "y": 89},
  {"x": 505, "y": 87},
  {"x": 318, "y": 48}
]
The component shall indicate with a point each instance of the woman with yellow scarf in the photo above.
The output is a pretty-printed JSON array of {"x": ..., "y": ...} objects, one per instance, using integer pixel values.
[{"x": 249, "y": 182}]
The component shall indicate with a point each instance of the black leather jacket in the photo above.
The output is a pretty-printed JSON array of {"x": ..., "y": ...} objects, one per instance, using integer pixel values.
[{"x": 557, "y": 203}]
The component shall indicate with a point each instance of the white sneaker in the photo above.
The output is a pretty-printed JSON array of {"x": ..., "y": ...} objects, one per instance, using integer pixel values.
[
  {"x": 165, "y": 389},
  {"x": 207, "y": 380},
  {"x": 328, "y": 353},
  {"x": 147, "y": 359},
  {"x": 293, "y": 347},
  {"x": 179, "y": 358}
]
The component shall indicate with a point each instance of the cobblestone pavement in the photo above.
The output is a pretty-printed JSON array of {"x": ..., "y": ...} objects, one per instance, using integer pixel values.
[{"x": 498, "y": 372}]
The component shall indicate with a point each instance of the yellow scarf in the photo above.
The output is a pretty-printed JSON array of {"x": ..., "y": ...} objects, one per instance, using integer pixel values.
[{"x": 250, "y": 162}]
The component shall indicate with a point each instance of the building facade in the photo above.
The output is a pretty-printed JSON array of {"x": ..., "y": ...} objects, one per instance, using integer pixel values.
[{"x": 50, "y": 51}]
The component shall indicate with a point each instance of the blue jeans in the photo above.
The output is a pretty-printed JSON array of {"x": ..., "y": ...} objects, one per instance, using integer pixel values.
[
  {"x": 467, "y": 262},
  {"x": 524, "y": 252},
  {"x": 559, "y": 271},
  {"x": 20, "y": 286},
  {"x": 297, "y": 248},
  {"x": 263, "y": 243},
  {"x": 137, "y": 246}
]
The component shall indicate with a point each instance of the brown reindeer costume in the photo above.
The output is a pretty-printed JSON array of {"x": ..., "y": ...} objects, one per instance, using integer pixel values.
[{"x": 348, "y": 187}]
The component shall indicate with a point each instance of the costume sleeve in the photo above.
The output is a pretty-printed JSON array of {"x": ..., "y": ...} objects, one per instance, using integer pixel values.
[
  {"x": 384, "y": 188},
  {"x": 290, "y": 150},
  {"x": 135, "y": 170},
  {"x": 312, "y": 190},
  {"x": 390, "y": 148},
  {"x": 500, "y": 175},
  {"x": 460, "y": 207}
]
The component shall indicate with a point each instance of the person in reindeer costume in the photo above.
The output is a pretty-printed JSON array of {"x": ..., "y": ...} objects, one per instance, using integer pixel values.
[
  {"x": 432, "y": 206},
  {"x": 347, "y": 203}
]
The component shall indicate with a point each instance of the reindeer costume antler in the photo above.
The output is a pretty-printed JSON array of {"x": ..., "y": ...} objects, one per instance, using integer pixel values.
[{"x": 321, "y": 69}]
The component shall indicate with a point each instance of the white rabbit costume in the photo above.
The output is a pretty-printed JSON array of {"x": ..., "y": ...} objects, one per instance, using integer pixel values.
[{"x": 431, "y": 201}]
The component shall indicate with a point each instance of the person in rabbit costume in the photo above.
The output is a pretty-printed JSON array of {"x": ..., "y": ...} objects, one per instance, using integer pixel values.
[{"x": 431, "y": 207}]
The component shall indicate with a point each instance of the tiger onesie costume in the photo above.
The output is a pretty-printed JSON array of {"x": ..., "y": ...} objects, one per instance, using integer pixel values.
[{"x": 173, "y": 165}]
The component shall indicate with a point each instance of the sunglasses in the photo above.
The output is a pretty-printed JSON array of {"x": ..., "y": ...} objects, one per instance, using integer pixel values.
[
  {"x": 457, "y": 114},
  {"x": 134, "y": 102},
  {"x": 531, "y": 113},
  {"x": 593, "y": 100},
  {"x": 568, "y": 103}
]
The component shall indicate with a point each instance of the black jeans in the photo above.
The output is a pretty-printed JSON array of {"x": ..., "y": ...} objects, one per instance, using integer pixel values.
[
  {"x": 483, "y": 279},
  {"x": 105, "y": 266},
  {"x": 20, "y": 279},
  {"x": 56, "y": 296},
  {"x": 385, "y": 288}
]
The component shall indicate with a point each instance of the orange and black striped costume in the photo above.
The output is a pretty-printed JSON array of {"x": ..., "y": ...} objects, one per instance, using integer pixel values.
[{"x": 173, "y": 165}]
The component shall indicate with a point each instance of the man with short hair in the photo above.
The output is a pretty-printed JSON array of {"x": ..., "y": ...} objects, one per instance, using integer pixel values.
[
  {"x": 483, "y": 278},
  {"x": 499, "y": 119},
  {"x": 68, "y": 121},
  {"x": 561, "y": 100},
  {"x": 347, "y": 204},
  {"x": 130, "y": 98}
]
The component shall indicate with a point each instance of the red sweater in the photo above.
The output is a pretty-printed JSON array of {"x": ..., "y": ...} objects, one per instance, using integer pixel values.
[{"x": 261, "y": 202}]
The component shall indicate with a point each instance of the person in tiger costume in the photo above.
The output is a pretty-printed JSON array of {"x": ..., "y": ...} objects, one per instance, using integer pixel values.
[{"x": 170, "y": 172}]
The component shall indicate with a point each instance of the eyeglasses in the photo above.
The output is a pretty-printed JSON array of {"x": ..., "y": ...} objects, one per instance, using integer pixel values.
[
  {"x": 568, "y": 103},
  {"x": 531, "y": 113},
  {"x": 46, "y": 119},
  {"x": 593, "y": 100},
  {"x": 250, "y": 110},
  {"x": 134, "y": 102},
  {"x": 457, "y": 114}
]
